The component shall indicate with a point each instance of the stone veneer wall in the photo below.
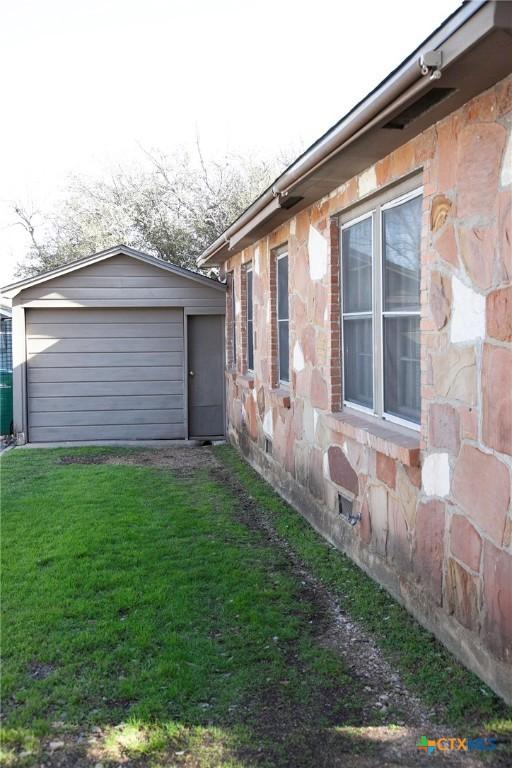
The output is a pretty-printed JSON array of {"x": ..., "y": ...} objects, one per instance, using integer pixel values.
[{"x": 436, "y": 526}]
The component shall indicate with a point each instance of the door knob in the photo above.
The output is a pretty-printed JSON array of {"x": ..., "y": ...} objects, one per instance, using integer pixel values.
[{"x": 191, "y": 373}]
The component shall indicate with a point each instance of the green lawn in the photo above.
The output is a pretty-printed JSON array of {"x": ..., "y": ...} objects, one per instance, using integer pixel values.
[{"x": 147, "y": 616}]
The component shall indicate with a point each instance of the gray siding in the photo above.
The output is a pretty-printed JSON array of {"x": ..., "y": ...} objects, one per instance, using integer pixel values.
[
  {"x": 105, "y": 374},
  {"x": 123, "y": 281}
]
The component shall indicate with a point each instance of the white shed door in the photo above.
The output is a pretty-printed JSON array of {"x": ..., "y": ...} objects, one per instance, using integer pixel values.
[{"x": 105, "y": 374}]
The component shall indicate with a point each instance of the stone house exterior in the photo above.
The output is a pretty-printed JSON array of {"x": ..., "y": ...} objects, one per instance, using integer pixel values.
[{"x": 369, "y": 338}]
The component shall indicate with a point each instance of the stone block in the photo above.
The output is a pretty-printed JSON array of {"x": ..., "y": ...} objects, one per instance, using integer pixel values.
[
  {"x": 446, "y": 152},
  {"x": 497, "y": 398},
  {"x": 398, "y": 547},
  {"x": 429, "y": 554},
  {"x": 497, "y": 628},
  {"x": 365, "y": 526},
  {"x": 461, "y": 594},
  {"x": 308, "y": 344},
  {"x": 468, "y": 422},
  {"x": 465, "y": 542},
  {"x": 440, "y": 297},
  {"x": 435, "y": 474},
  {"x": 340, "y": 470},
  {"x": 444, "y": 428},
  {"x": 477, "y": 252},
  {"x": 316, "y": 477},
  {"x": 479, "y": 151},
  {"x": 505, "y": 235},
  {"x": 319, "y": 395},
  {"x": 386, "y": 470},
  {"x": 504, "y": 96},
  {"x": 414, "y": 475},
  {"x": 481, "y": 486},
  {"x": 446, "y": 246},
  {"x": 378, "y": 507},
  {"x": 308, "y": 423},
  {"x": 455, "y": 374},
  {"x": 468, "y": 313},
  {"x": 407, "y": 492},
  {"x": 251, "y": 415},
  {"x": 261, "y": 402},
  {"x": 317, "y": 251},
  {"x": 499, "y": 314},
  {"x": 439, "y": 212}
]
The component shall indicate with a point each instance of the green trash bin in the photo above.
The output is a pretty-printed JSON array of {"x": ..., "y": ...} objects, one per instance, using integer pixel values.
[{"x": 5, "y": 402}]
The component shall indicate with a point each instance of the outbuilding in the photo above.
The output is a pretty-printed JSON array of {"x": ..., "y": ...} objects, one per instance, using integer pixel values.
[{"x": 119, "y": 345}]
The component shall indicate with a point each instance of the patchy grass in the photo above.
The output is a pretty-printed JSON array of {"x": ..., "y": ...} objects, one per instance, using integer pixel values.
[
  {"x": 137, "y": 602},
  {"x": 426, "y": 666},
  {"x": 146, "y": 618}
]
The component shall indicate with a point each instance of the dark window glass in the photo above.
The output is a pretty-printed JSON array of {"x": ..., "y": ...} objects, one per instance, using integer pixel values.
[
  {"x": 250, "y": 334},
  {"x": 233, "y": 318},
  {"x": 282, "y": 288},
  {"x": 282, "y": 318},
  {"x": 357, "y": 267},
  {"x": 284, "y": 352},
  {"x": 357, "y": 312},
  {"x": 358, "y": 360},
  {"x": 402, "y": 367},
  {"x": 401, "y": 236}
]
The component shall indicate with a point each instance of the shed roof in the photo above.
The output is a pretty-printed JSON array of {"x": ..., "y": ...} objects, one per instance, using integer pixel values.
[{"x": 13, "y": 289}]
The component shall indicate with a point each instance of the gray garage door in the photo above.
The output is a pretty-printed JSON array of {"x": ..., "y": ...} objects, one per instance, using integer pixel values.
[{"x": 105, "y": 374}]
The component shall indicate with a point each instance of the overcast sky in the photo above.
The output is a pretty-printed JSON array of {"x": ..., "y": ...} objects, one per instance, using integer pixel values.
[{"x": 86, "y": 83}]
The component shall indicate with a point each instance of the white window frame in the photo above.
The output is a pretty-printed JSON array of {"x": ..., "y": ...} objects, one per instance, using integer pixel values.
[
  {"x": 374, "y": 209},
  {"x": 281, "y": 255},
  {"x": 371, "y": 313},
  {"x": 233, "y": 321},
  {"x": 249, "y": 269}
]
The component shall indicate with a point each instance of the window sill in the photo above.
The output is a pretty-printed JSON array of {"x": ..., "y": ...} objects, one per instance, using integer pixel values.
[
  {"x": 281, "y": 395},
  {"x": 245, "y": 380},
  {"x": 393, "y": 440}
]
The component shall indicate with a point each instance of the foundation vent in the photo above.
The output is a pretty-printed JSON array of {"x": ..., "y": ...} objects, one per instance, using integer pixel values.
[{"x": 345, "y": 509}]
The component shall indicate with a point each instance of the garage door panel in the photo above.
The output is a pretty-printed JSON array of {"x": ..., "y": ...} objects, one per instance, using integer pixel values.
[
  {"x": 115, "y": 330},
  {"x": 106, "y": 344},
  {"x": 114, "y": 403},
  {"x": 132, "y": 432},
  {"x": 104, "y": 419},
  {"x": 86, "y": 382},
  {"x": 102, "y": 388},
  {"x": 104, "y": 359},
  {"x": 119, "y": 374}
]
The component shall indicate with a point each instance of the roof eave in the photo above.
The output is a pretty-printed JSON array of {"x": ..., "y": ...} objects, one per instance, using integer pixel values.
[{"x": 468, "y": 26}]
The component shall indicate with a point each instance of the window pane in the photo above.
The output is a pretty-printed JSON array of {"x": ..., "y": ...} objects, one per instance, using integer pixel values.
[
  {"x": 282, "y": 288},
  {"x": 401, "y": 235},
  {"x": 358, "y": 360},
  {"x": 250, "y": 336},
  {"x": 283, "y": 350},
  {"x": 233, "y": 316},
  {"x": 402, "y": 367},
  {"x": 250, "y": 346},
  {"x": 357, "y": 267},
  {"x": 249, "y": 295}
]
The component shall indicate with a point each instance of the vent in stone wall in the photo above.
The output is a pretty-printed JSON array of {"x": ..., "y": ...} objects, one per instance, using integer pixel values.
[{"x": 345, "y": 508}]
